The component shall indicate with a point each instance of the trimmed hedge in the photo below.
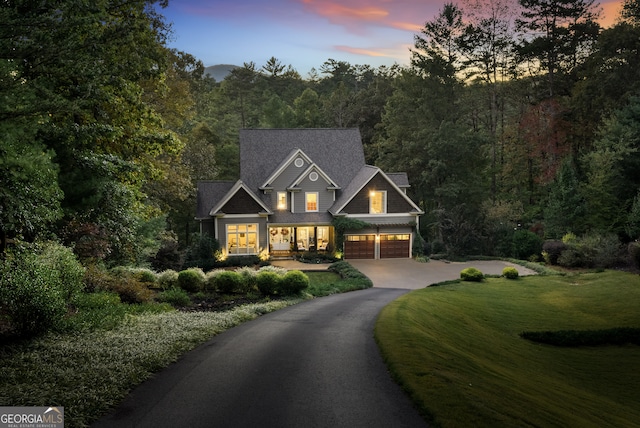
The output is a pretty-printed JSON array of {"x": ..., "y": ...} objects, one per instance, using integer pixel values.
[
  {"x": 510, "y": 272},
  {"x": 191, "y": 280},
  {"x": 471, "y": 274},
  {"x": 574, "y": 338},
  {"x": 268, "y": 282}
]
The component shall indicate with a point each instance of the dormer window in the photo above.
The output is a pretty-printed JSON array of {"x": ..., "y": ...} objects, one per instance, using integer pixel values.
[
  {"x": 378, "y": 202},
  {"x": 282, "y": 200}
]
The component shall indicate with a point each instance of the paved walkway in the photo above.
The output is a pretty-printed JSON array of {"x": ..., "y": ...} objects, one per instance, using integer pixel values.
[{"x": 410, "y": 274}]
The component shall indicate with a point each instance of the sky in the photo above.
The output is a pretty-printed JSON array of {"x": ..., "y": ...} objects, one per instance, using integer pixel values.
[{"x": 305, "y": 33}]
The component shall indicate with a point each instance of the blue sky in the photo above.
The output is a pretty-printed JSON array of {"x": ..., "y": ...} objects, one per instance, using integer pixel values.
[{"x": 302, "y": 33}]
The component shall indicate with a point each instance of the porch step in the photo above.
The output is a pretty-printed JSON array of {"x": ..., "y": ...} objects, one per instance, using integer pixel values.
[{"x": 282, "y": 257}]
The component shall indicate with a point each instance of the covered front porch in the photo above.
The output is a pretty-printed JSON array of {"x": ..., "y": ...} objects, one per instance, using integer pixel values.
[{"x": 288, "y": 240}]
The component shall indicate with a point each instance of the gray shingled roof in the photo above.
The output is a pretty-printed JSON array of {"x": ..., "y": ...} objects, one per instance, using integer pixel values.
[
  {"x": 338, "y": 152},
  {"x": 209, "y": 194},
  {"x": 399, "y": 178}
]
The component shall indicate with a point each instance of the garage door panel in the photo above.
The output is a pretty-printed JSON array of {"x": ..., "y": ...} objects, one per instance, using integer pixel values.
[
  {"x": 394, "y": 246},
  {"x": 359, "y": 247}
]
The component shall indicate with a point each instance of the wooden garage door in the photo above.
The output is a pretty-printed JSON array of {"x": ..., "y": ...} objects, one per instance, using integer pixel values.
[
  {"x": 394, "y": 246},
  {"x": 359, "y": 247}
]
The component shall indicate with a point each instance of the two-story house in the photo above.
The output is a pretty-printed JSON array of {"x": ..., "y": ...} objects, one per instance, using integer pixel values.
[{"x": 293, "y": 183}]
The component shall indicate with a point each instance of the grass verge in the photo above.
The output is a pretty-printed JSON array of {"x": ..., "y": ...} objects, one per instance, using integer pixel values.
[{"x": 457, "y": 350}]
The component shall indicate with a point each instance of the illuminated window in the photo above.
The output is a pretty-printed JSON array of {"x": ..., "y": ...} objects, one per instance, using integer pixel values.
[
  {"x": 242, "y": 239},
  {"x": 378, "y": 202},
  {"x": 311, "y": 201},
  {"x": 282, "y": 200}
]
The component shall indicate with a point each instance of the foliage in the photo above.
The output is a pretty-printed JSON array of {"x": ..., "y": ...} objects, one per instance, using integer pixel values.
[
  {"x": 30, "y": 196},
  {"x": 167, "y": 279},
  {"x": 342, "y": 224},
  {"x": 471, "y": 274},
  {"x": 573, "y": 338},
  {"x": 293, "y": 282},
  {"x": 238, "y": 261},
  {"x": 551, "y": 251},
  {"x": 634, "y": 253},
  {"x": 228, "y": 282},
  {"x": 30, "y": 294},
  {"x": 510, "y": 272},
  {"x": 191, "y": 280},
  {"x": 526, "y": 244},
  {"x": 592, "y": 250},
  {"x": 66, "y": 271},
  {"x": 346, "y": 271},
  {"x": 268, "y": 283},
  {"x": 176, "y": 297},
  {"x": 201, "y": 252}
]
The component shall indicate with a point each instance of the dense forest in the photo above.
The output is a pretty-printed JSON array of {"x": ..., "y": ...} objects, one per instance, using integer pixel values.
[{"x": 517, "y": 122}]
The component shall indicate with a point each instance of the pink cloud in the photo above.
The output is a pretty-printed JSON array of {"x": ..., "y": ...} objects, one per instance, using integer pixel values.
[
  {"x": 360, "y": 51},
  {"x": 357, "y": 15}
]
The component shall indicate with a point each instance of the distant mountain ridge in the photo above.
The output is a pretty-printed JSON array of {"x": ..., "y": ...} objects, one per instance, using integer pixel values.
[{"x": 219, "y": 71}]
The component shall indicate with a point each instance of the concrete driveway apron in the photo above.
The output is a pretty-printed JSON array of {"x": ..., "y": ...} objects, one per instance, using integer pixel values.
[{"x": 413, "y": 275}]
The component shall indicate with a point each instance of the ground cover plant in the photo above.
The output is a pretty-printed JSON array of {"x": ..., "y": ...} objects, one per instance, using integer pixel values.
[
  {"x": 107, "y": 346},
  {"x": 457, "y": 349}
]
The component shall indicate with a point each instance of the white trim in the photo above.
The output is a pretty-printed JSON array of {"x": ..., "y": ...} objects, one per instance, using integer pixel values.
[
  {"x": 286, "y": 201},
  {"x": 288, "y": 161},
  {"x": 223, "y": 215},
  {"x": 384, "y": 201},
  {"x": 307, "y": 172},
  {"x": 378, "y": 171},
  {"x": 293, "y": 202}
]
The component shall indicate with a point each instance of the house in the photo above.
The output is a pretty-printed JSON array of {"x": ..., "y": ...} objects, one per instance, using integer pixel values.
[{"x": 293, "y": 184}]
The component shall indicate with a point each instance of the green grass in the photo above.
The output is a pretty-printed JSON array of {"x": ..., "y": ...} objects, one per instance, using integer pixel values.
[
  {"x": 322, "y": 283},
  {"x": 457, "y": 350}
]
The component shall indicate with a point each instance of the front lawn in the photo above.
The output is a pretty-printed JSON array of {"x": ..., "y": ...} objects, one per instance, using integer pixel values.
[{"x": 458, "y": 352}]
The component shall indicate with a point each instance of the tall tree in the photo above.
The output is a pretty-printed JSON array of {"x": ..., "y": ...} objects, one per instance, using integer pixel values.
[{"x": 558, "y": 35}]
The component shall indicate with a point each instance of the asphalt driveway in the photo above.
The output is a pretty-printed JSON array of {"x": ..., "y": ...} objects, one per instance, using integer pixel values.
[{"x": 315, "y": 364}]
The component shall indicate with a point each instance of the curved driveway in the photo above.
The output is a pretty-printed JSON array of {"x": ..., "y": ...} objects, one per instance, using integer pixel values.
[{"x": 315, "y": 364}]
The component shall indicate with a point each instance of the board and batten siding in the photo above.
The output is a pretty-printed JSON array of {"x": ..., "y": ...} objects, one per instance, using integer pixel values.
[{"x": 396, "y": 203}]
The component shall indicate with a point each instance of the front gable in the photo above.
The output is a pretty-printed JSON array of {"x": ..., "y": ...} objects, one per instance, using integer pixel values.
[
  {"x": 287, "y": 171},
  {"x": 239, "y": 200},
  {"x": 374, "y": 180}
]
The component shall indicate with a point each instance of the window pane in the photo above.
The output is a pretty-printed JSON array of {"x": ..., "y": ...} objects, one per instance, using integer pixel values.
[{"x": 312, "y": 201}]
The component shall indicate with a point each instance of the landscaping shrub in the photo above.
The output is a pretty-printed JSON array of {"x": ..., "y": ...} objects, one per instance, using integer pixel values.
[
  {"x": 551, "y": 251},
  {"x": 130, "y": 290},
  {"x": 634, "y": 253},
  {"x": 293, "y": 282},
  {"x": 227, "y": 282},
  {"x": 248, "y": 275},
  {"x": 526, "y": 244},
  {"x": 27, "y": 295},
  {"x": 65, "y": 269},
  {"x": 346, "y": 271},
  {"x": 176, "y": 297},
  {"x": 595, "y": 250},
  {"x": 573, "y": 338},
  {"x": 191, "y": 280},
  {"x": 168, "y": 279},
  {"x": 144, "y": 275},
  {"x": 201, "y": 252},
  {"x": 471, "y": 274},
  {"x": 268, "y": 282},
  {"x": 238, "y": 261},
  {"x": 510, "y": 272}
]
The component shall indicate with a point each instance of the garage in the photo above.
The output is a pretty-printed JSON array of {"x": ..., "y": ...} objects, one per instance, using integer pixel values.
[
  {"x": 394, "y": 246},
  {"x": 360, "y": 247}
]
